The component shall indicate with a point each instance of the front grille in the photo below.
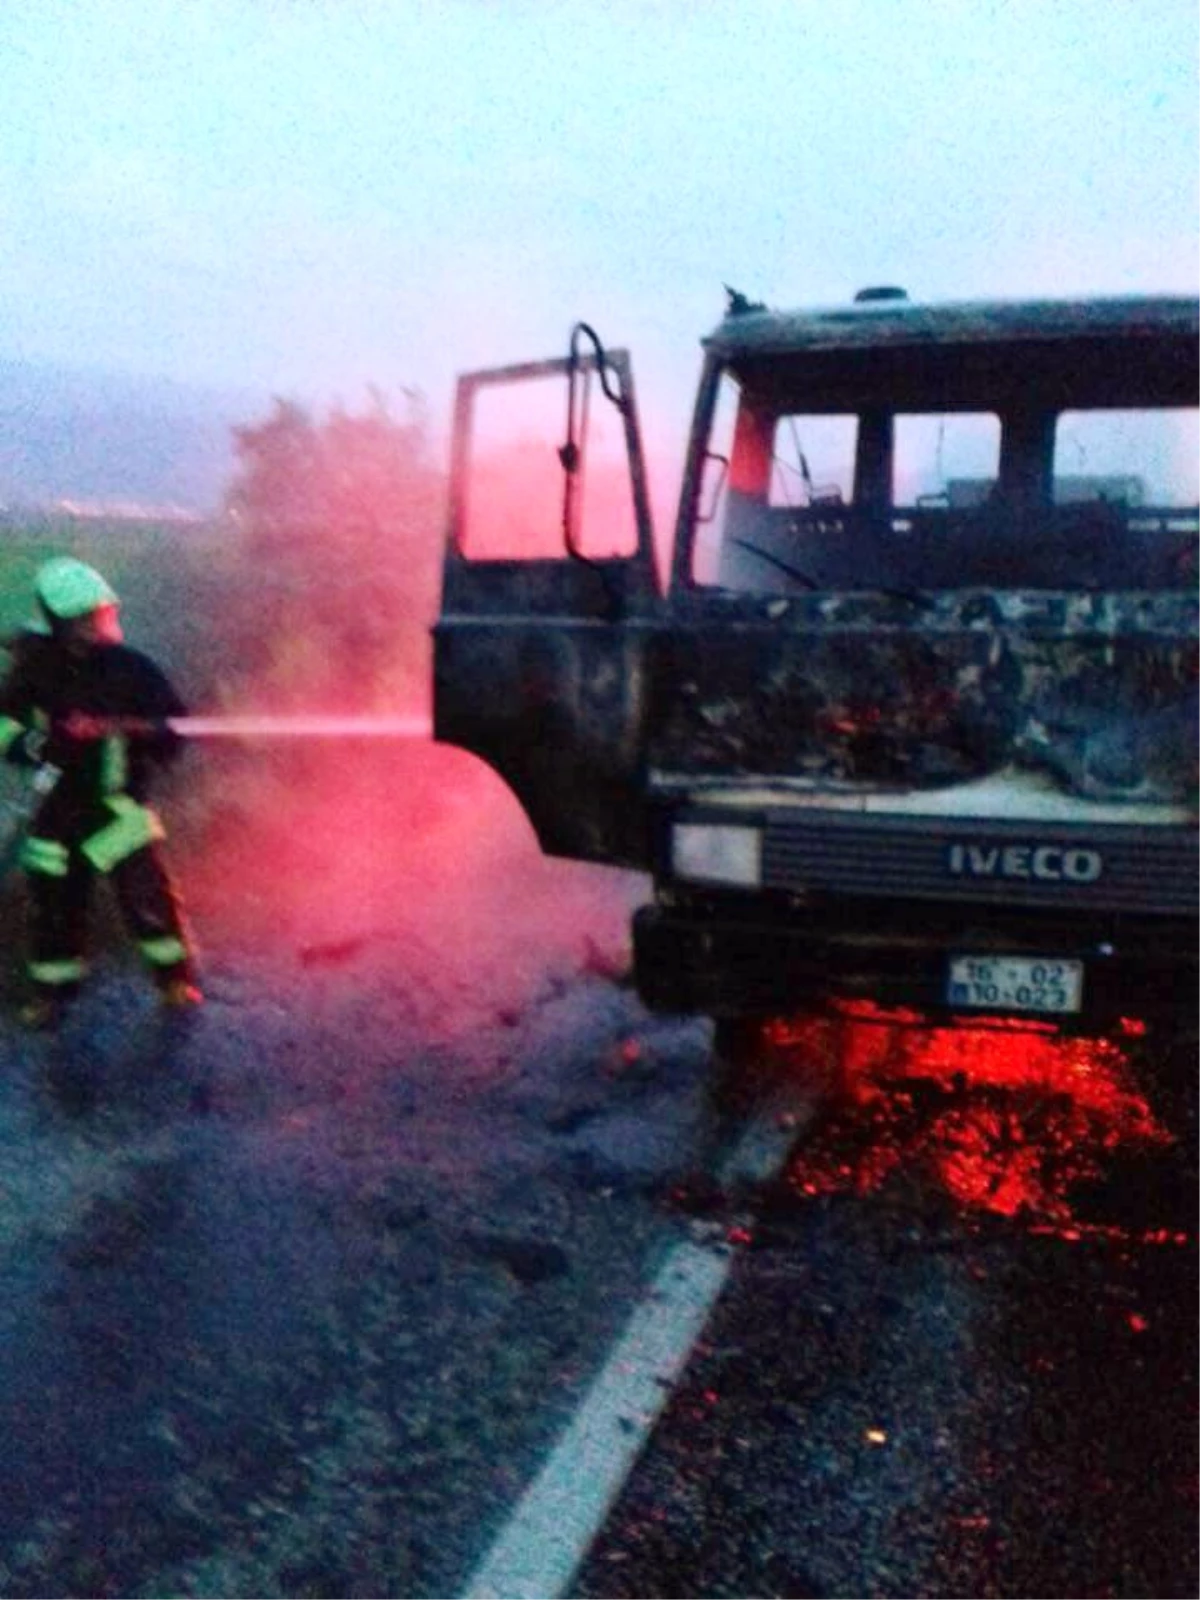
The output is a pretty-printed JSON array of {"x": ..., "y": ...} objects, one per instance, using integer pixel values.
[{"x": 1140, "y": 869}]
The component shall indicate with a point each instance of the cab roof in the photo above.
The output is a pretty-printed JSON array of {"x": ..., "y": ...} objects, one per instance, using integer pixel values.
[{"x": 897, "y": 322}]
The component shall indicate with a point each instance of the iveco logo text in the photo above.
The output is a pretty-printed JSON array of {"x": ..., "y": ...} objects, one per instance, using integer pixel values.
[{"x": 1047, "y": 863}]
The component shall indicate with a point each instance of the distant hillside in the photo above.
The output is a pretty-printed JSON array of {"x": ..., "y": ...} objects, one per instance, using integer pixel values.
[{"x": 96, "y": 437}]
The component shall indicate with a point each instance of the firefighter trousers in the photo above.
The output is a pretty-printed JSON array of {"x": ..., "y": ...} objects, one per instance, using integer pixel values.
[{"x": 59, "y": 910}]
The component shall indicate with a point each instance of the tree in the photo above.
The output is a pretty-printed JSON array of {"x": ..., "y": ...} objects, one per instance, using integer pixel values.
[{"x": 338, "y": 525}]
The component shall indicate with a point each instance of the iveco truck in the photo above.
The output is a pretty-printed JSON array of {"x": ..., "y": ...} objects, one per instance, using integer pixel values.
[{"x": 908, "y": 714}]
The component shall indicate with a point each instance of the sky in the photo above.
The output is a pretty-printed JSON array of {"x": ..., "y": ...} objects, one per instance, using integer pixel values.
[{"x": 305, "y": 197}]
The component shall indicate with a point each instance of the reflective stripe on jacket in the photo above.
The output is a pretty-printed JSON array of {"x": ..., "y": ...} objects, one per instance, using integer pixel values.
[{"x": 132, "y": 828}]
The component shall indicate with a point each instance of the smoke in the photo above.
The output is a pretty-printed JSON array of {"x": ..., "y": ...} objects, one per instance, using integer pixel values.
[
  {"x": 395, "y": 862},
  {"x": 408, "y": 864},
  {"x": 375, "y": 860}
]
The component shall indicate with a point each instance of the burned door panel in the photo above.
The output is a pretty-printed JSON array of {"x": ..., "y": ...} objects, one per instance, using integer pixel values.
[
  {"x": 538, "y": 653},
  {"x": 556, "y": 707}
]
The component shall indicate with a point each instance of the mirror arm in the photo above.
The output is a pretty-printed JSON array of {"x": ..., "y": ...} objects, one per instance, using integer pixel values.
[{"x": 571, "y": 452}]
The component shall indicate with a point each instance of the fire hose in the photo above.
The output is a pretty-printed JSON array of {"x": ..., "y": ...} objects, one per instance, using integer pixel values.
[{"x": 83, "y": 726}]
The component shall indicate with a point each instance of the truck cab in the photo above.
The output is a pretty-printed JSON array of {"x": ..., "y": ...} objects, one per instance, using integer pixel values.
[{"x": 910, "y": 716}]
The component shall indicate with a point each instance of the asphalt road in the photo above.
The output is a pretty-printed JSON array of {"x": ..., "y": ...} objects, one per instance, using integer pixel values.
[
  {"x": 291, "y": 1306},
  {"x": 296, "y": 1293},
  {"x": 295, "y": 1289},
  {"x": 908, "y": 1393}
]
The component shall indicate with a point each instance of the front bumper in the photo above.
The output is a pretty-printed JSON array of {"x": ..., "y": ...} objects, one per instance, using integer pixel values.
[{"x": 730, "y": 954}]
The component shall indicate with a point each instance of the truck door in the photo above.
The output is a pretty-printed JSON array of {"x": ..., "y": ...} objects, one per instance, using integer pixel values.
[{"x": 549, "y": 591}]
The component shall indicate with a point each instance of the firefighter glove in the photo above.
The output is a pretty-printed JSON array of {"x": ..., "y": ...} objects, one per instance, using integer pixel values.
[{"x": 79, "y": 725}]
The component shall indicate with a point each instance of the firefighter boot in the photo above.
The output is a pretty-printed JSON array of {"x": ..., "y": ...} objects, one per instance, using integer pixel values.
[
  {"x": 44, "y": 1007},
  {"x": 178, "y": 990}
]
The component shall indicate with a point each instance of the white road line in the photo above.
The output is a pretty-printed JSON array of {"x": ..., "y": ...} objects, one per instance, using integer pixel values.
[{"x": 552, "y": 1527}]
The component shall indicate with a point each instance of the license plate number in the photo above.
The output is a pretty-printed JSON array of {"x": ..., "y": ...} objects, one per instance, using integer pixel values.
[{"x": 1015, "y": 983}]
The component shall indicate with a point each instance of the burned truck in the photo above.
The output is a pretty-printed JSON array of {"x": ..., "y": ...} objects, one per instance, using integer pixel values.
[{"x": 909, "y": 715}]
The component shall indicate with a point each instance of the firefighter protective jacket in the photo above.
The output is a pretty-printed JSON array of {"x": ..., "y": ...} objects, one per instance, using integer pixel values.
[{"x": 98, "y": 803}]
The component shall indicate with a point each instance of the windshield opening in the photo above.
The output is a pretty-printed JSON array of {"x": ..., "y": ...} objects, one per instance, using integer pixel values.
[{"x": 1000, "y": 490}]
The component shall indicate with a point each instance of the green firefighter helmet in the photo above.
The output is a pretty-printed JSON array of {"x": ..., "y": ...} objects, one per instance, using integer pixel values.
[{"x": 67, "y": 588}]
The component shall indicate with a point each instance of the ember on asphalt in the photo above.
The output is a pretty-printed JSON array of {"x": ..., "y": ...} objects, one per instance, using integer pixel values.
[{"x": 1009, "y": 1121}]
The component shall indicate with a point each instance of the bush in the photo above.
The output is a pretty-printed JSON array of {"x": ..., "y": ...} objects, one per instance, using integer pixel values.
[{"x": 332, "y": 574}]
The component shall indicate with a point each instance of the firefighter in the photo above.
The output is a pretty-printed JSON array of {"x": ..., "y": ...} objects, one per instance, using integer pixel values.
[{"x": 71, "y": 675}]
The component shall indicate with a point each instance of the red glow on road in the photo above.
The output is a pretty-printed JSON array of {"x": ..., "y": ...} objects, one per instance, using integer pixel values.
[{"x": 1007, "y": 1122}]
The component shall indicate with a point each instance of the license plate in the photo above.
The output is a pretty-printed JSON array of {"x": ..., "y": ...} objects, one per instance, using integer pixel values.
[{"x": 1015, "y": 983}]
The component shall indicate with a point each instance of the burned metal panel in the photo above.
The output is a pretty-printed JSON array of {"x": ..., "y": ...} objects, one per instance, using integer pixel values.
[
  {"x": 556, "y": 707},
  {"x": 724, "y": 956},
  {"x": 604, "y": 591},
  {"x": 939, "y": 377},
  {"x": 905, "y": 323},
  {"x": 1097, "y": 691}
]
